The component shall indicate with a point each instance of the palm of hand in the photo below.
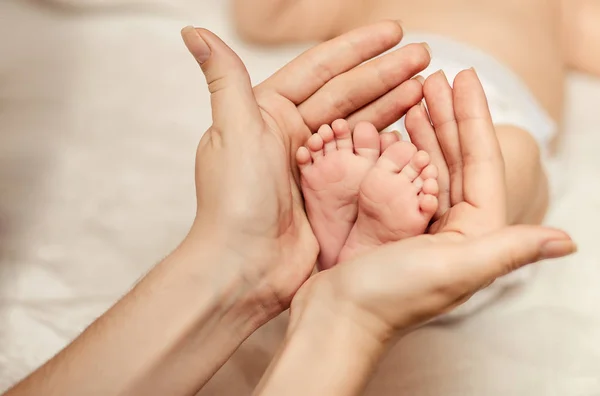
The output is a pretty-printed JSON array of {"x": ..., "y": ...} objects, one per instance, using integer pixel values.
[
  {"x": 254, "y": 193},
  {"x": 288, "y": 125},
  {"x": 283, "y": 216},
  {"x": 463, "y": 145},
  {"x": 400, "y": 285},
  {"x": 466, "y": 219},
  {"x": 246, "y": 172},
  {"x": 431, "y": 277}
]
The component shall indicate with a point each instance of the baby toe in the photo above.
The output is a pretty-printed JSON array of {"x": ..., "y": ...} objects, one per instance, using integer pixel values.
[
  {"x": 428, "y": 204},
  {"x": 397, "y": 156},
  {"x": 387, "y": 139},
  {"x": 315, "y": 146},
  {"x": 303, "y": 158},
  {"x": 343, "y": 135},
  {"x": 366, "y": 141},
  {"x": 329, "y": 143},
  {"x": 431, "y": 187},
  {"x": 416, "y": 165},
  {"x": 430, "y": 172}
]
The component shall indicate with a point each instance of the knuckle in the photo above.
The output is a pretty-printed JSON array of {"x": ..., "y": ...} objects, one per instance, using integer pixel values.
[
  {"x": 322, "y": 72},
  {"x": 342, "y": 104},
  {"x": 224, "y": 81},
  {"x": 217, "y": 84}
]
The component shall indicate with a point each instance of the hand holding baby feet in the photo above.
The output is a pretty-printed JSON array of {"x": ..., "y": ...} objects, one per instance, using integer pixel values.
[
  {"x": 397, "y": 199},
  {"x": 333, "y": 163},
  {"x": 460, "y": 137},
  {"x": 462, "y": 142}
]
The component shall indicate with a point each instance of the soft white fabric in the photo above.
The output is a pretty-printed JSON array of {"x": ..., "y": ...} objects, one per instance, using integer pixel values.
[
  {"x": 509, "y": 99},
  {"x": 100, "y": 114}
]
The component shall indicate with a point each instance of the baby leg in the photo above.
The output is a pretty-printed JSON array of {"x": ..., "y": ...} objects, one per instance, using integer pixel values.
[{"x": 580, "y": 27}]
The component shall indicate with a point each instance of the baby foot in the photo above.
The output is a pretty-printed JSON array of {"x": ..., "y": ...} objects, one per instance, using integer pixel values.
[
  {"x": 332, "y": 165},
  {"x": 397, "y": 199}
]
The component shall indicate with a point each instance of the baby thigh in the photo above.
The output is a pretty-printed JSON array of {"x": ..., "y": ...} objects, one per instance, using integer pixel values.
[{"x": 526, "y": 181}]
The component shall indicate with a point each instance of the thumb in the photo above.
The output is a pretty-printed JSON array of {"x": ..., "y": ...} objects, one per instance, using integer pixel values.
[
  {"x": 232, "y": 97},
  {"x": 499, "y": 253}
]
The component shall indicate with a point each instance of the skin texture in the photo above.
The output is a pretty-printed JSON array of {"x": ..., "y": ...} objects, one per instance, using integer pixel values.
[
  {"x": 358, "y": 301},
  {"x": 349, "y": 176},
  {"x": 286, "y": 112},
  {"x": 563, "y": 32},
  {"x": 249, "y": 249},
  {"x": 242, "y": 262}
]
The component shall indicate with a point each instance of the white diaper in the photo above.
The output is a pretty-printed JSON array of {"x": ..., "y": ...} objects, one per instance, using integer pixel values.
[
  {"x": 510, "y": 102},
  {"x": 509, "y": 99}
]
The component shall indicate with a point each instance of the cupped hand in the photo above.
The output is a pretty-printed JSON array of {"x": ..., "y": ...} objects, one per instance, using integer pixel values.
[
  {"x": 249, "y": 204},
  {"x": 401, "y": 285},
  {"x": 462, "y": 143}
]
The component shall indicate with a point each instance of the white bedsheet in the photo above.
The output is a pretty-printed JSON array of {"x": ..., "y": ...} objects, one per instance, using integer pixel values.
[{"x": 100, "y": 114}]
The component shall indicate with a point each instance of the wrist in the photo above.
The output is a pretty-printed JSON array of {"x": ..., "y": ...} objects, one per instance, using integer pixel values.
[
  {"x": 323, "y": 300},
  {"x": 322, "y": 354},
  {"x": 200, "y": 311},
  {"x": 246, "y": 263},
  {"x": 218, "y": 277},
  {"x": 329, "y": 331}
]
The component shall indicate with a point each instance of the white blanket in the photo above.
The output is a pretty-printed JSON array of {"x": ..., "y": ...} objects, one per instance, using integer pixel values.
[{"x": 100, "y": 114}]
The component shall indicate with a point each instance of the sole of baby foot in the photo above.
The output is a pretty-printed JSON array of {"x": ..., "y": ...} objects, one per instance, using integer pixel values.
[
  {"x": 397, "y": 199},
  {"x": 332, "y": 166}
]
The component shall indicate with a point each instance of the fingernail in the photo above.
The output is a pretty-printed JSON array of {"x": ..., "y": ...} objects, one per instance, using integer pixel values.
[
  {"x": 195, "y": 44},
  {"x": 427, "y": 47},
  {"x": 556, "y": 249},
  {"x": 473, "y": 69},
  {"x": 442, "y": 73},
  {"x": 419, "y": 79}
]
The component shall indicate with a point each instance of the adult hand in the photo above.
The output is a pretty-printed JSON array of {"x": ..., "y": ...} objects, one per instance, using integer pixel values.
[
  {"x": 350, "y": 312},
  {"x": 462, "y": 144},
  {"x": 251, "y": 246},
  {"x": 431, "y": 274},
  {"x": 473, "y": 195},
  {"x": 248, "y": 198}
]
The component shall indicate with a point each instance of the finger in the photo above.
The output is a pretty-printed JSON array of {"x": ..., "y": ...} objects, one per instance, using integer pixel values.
[
  {"x": 389, "y": 108},
  {"x": 386, "y": 139},
  {"x": 477, "y": 263},
  {"x": 303, "y": 76},
  {"x": 358, "y": 87},
  {"x": 483, "y": 165},
  {"x": 227, "y": 78},
  {"x": 438, "y": 95},
  {"x": 422, "y": 135}
]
